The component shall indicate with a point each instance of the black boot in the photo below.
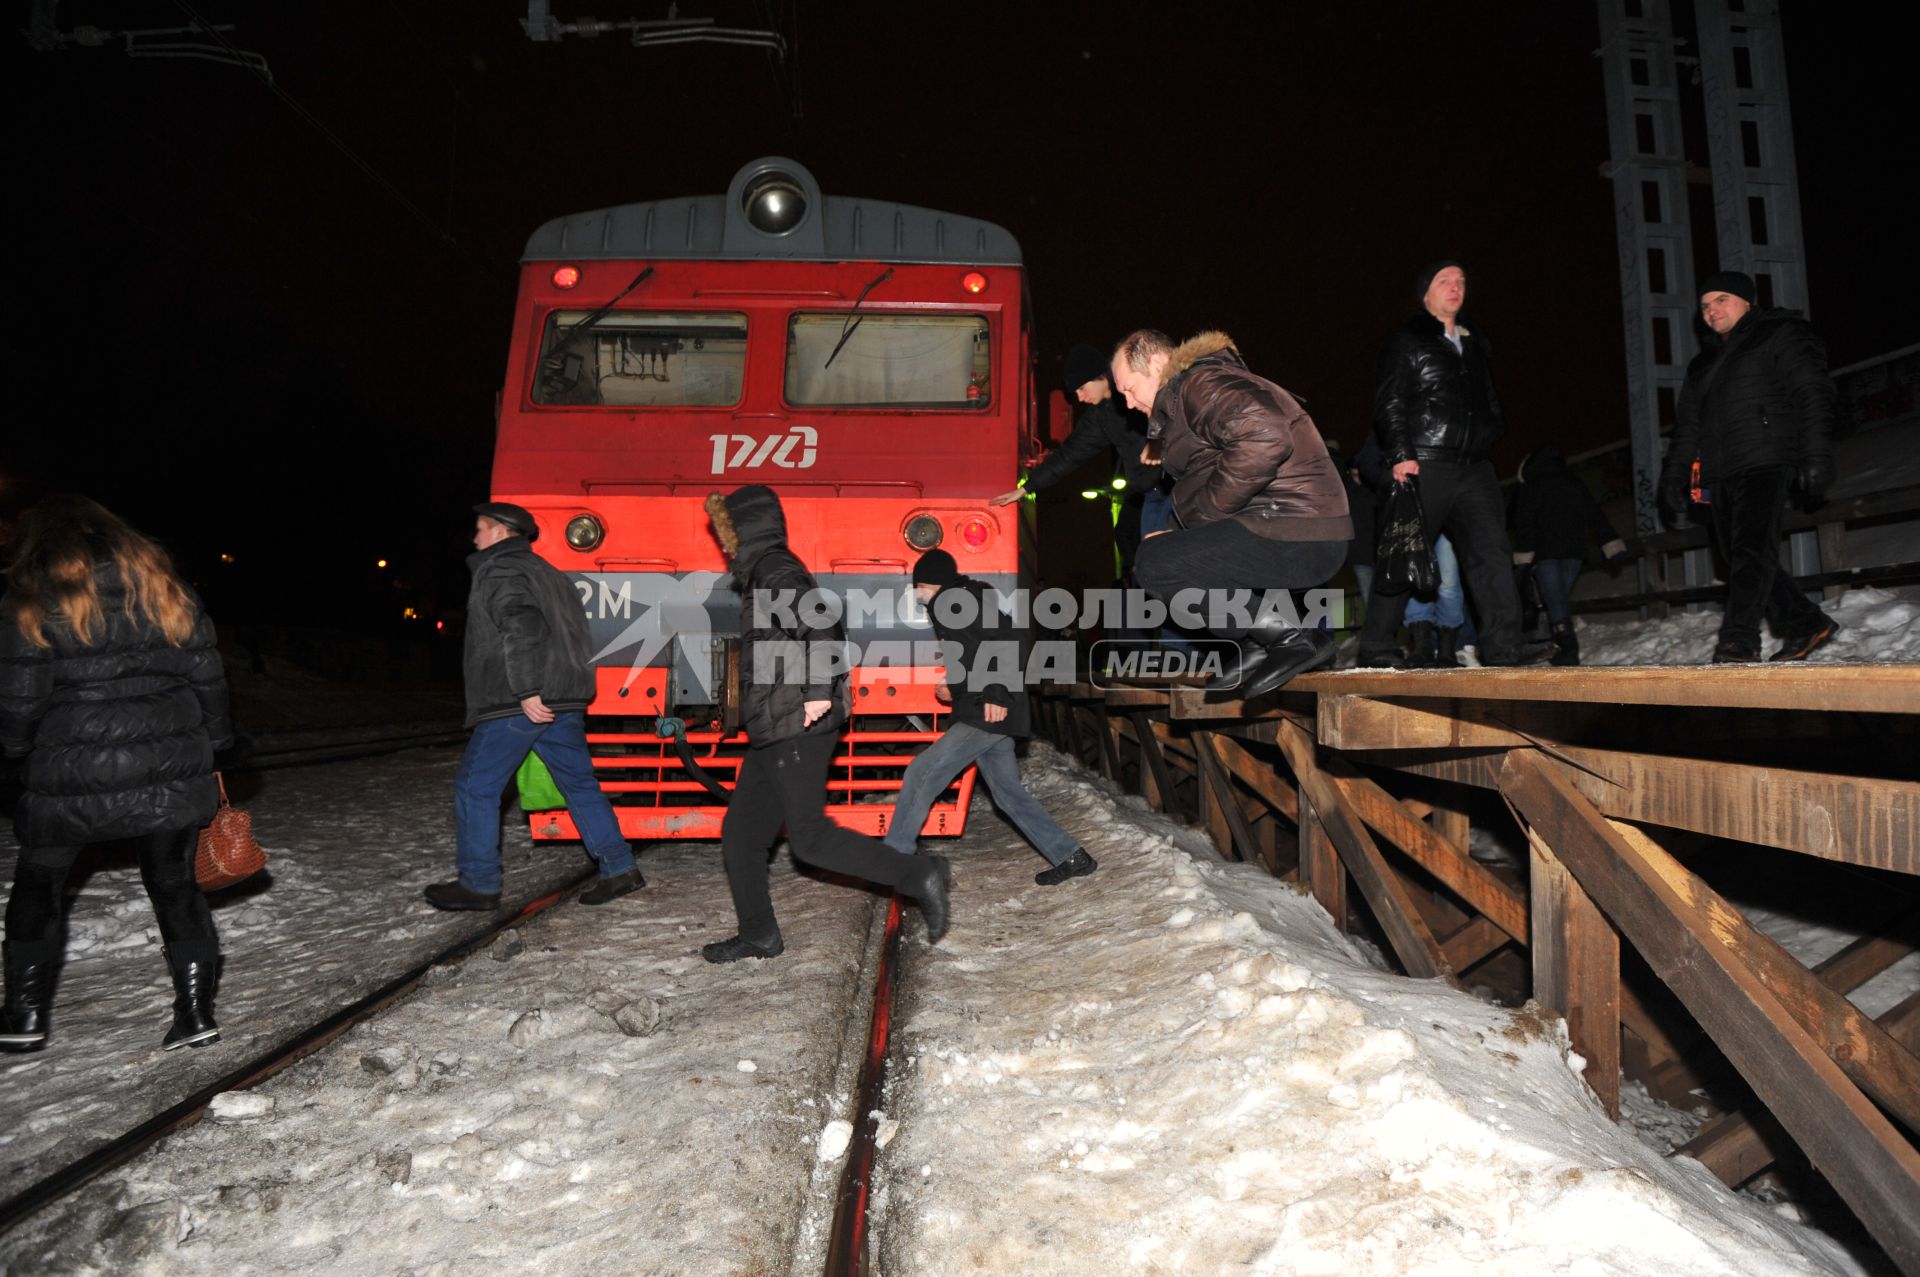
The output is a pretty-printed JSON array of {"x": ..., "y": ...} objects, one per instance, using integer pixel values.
[
  {"x": 1449, "y": 654},
  {"x": 1423, "y": 645},
  {"x": 193, "y": 974},
  {"x": 1298, "y": 652},
  {"x": 1250, "y": 653},
  {"x": 613, "y": 888},
  {"x": 932, "y": 896},
  {"x": 734, "y": 948},
  {"x": 23, "y": 1025},
  {"x": 1077, "y": 865},
  {"x": 1567, "y": 641}
]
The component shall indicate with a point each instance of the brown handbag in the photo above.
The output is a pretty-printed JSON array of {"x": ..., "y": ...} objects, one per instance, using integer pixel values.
[{"x": 228, "y": 852}]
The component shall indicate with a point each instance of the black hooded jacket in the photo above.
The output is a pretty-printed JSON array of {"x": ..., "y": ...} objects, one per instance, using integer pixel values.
[
  {"x": 1759, "y": 397},
  {"x": 1432, "y": 402},
  {"x": 526, "y": 635},
  {"x": 1107, "y": 424},
  {"x": 119, "y": 734},
  {"x": 784, "y": 660},
  {"x": 993, "y": 656},
  {"x": 1554, "y": 516}
]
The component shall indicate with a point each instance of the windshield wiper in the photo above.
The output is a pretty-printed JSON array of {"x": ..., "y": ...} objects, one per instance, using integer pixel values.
[
  {"x": 853, "y": 319},
  {"x": 551, "y": 362}
]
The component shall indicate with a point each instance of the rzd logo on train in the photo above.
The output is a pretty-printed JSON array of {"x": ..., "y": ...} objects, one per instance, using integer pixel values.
[{"x": 793, "y": 450}]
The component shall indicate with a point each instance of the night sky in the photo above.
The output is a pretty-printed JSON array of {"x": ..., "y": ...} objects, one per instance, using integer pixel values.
[{"x": 231, "y": 332}]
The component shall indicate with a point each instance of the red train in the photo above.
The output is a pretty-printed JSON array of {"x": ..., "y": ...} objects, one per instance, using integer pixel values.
[{"x": 870, "y": 361}]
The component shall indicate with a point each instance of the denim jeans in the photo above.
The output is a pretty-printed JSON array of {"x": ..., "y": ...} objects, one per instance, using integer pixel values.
[
  {"x": 929, "y": 775},
  {"x": 1448, "y": 607},
  {"x": 498, "y": 747},
  {"x": 1556, "y": 578}
]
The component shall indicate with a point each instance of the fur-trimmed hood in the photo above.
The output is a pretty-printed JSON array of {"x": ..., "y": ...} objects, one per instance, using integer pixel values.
[
  {"x": 747, "y": 522},
  {"x": 1198, "y": 347}
]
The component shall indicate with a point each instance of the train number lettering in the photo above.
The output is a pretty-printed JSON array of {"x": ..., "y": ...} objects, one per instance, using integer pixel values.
[{"x": 794, "y": 450}]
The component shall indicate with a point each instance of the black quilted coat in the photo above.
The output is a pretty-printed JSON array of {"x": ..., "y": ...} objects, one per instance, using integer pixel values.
[{"x": 118, "y": 734}]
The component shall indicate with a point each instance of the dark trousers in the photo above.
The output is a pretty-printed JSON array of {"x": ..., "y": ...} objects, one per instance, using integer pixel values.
[
  {"x": 1229, "y": 556},
  {"x": 1747, "y": 511},
  {"x": 38, "y": 903},
  {"x": 1465, "y": 503},
  {"x": 786, "y": 783}
]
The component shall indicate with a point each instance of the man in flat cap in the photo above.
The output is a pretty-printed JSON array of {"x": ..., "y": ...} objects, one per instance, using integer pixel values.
[
  {"x": 1757, "y": 411},
  {"x": 529, "y": 678}
]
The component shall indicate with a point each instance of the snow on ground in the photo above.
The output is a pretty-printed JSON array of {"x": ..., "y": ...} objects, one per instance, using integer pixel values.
[
  {"x": 337, "y": 915},
  {"x": 1875, "y": 625},
  {"x": 1175, "y": 1066}
]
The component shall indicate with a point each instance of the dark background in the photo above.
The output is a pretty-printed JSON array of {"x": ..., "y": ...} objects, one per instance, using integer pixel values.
[{"x": 230, "y": 330}]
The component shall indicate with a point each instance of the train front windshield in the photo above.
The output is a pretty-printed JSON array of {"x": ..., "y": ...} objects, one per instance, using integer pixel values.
[
  {"x": 629, "y": 358},
  {"x": 895, "y": 361}
]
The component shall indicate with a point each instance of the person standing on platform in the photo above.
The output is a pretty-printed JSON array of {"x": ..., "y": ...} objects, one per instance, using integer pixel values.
[
  {"x": 1555, "y": 521},
  {"x": 795, "y": 699},
  {"x": 529, "y": 680},
  {"x": 1437, "y": 416},
  {"x": 1104, "y": 426},
  {"x": 1259, "y": 502},
  {"x": 1757, "y": 411},
  {"x": 990, "y": 712}
]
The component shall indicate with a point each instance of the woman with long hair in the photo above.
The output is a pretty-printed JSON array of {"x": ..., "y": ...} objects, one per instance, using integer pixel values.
[{"x": 112, "y": 691}]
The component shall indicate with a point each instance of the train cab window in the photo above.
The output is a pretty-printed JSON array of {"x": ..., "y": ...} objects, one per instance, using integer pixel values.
[
  {"x": 642, "y": 359},
  {"x": 865, "y": 360}
]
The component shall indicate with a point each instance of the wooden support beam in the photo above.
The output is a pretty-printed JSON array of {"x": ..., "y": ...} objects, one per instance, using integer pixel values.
[
  {"x": 1865, "y": 1158},
  {"x": 1738, "y": 1146},
  {"x": 1385, "y": 890},
  {"x": 1130, "y": 698},
  {"x": 1871, "y": 954},
  {"x": 1258, "y": 776},
  {"x": 1240, "y": 834},
  {"x": 1451, "y": 821},
  {"x": 1466, "y": 877},
  {"x": 1576, "y": 969},
  {"x": 1853, "y": 819},
  {"x": 1320, "y": 867},
  {"x": 1154, "y": 766},
  {"x": 1110, "y": 748},
  {"x": 1473, "y": 944},
  {"x": 1869, "y": 689},
  {"x": 1877, "y": 1064}
]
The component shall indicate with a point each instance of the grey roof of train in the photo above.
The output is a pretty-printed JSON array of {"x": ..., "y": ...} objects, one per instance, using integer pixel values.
[{"x": 714, "y": 227}]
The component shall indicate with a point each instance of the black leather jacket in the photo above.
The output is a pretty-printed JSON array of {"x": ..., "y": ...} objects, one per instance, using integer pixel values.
[{"x": 1431, "y": 402}]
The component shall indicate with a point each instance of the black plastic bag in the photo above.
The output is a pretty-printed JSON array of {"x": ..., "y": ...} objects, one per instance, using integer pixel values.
[{"x": 1404, "y": 556}]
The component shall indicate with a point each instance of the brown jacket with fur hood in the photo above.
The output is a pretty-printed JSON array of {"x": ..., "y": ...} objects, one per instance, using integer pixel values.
[{"x": 1239, "y": 447}]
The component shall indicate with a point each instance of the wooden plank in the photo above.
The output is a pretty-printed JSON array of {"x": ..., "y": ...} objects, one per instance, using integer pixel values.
[
  {"x": 1448, "y": 722},
  {"x": 1154, "y": 762},
  {"x": 1258, "y": 776},
  {"x": 1452, "y": 822},
  {"x": 1877, "y": 1064},
  {"x": 1851, "y": 819},
  {"x": 1473, "y": 944},
  {"x": 1126, "y": 698},
  {"x": 1737, "y": 1146},
  {"x": 1385, "y": 891},
  {"x": 1870, "y": 1164},
  {"x": 1320, "y": 867},
  {"x": 1110, "y": 748},
  {"x": 1576, "y": 968},
  {"x": 1876, "y": 689},
  {"x": 1191, "y": 703},
  {"x": 1502, "y": 903},
  {"x": 1871, "y": 954},
  {"x": 1239, "y": 833}
]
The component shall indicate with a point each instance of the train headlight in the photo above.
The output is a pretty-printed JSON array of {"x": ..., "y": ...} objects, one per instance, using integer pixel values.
[
  {"x": 775, "y": 204},
  {"x": 584, "y": 532},
  {"x": 923, "y": 532}
]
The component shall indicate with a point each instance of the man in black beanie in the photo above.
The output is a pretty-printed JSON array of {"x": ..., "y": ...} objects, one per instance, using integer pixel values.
[
  {"x": 1437, "y": 416},
  {"x": 987, "y": 690},
  {"x": 1105, "y": 425},
  {"x": 1757, "y": 412}
]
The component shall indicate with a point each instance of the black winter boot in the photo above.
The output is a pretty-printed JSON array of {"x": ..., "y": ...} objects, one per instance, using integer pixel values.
[
  {"x": 1423, "y": 645},
  {"x": 932, "y": 896},
  {"x": 1567, "y": 641},
  {"x": 23, "y": 1025},
  {"x": 1448, "y": 657},
  {"x": 193, "y": 977},
  {"x": 1250, "y": 655},
  {"x": 734, "y": 948},
  {"x": 1298, "y": 652},
  {"x": 1078, "y": 865}
]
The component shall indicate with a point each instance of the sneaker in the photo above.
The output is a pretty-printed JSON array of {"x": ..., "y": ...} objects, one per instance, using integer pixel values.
[
  {"x": 613, "y": 888},
  {"x": 1469, "y": 654},
  {"x": 738, "y": 947},
  {"x": 1078, "y": 865},
  {"x": 1798, "y": 649},
  {"x": 458, "y": 895}
]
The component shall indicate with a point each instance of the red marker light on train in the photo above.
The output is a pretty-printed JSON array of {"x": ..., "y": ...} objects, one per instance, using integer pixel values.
[
  {"x": 566, "y": 276},
  {"x": 974, "y": 282},
  {"x": 974, "y": 532}
]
